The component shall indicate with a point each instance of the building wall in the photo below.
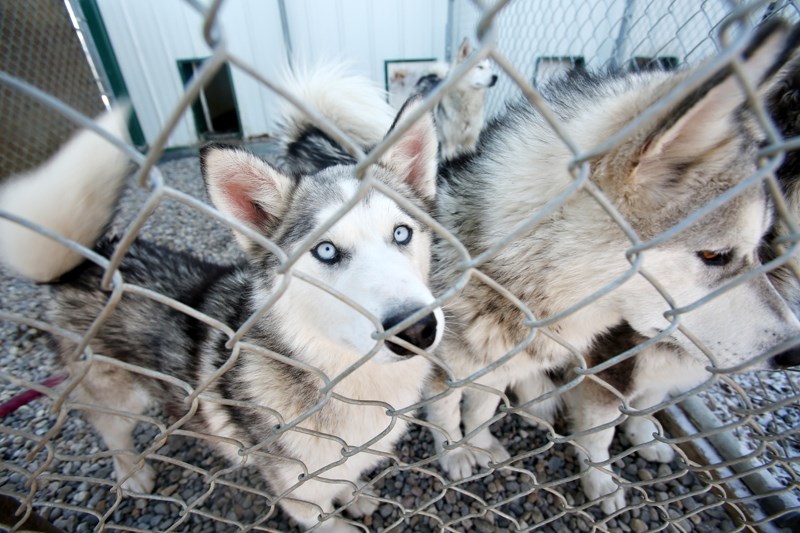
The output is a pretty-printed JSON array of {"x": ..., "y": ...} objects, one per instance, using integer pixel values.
[{"x": 150, "y": 36}]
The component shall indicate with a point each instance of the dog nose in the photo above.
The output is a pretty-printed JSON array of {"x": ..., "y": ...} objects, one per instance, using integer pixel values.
[
  {"x": 494, "y": 80},
  {"x": 421, "y": 334},
  {"x": 786, "y": 359}
]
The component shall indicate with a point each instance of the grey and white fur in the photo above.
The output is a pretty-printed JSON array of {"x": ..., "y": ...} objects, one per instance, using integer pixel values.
[
  {"x": 645, "y": 379},
  {"x": 377, "y": 255},
  {"x": 695, "y": 148},
  {"x": 460, "y": 114}
]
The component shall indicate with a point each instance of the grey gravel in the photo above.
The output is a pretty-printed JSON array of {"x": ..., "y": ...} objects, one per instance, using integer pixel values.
[{"x": 74, "y": 475}]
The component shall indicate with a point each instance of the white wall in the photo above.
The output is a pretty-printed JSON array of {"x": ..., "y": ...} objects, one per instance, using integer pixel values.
[
  {"x": 150, "y": 36},
  {"x": 367, "y": 32}
]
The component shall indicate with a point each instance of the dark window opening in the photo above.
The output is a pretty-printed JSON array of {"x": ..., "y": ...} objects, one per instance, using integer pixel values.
[{"x": 215, "y": 113}]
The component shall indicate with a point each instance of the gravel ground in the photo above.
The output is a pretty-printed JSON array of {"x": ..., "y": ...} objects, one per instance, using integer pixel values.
[{"x": 72, "y": 489}]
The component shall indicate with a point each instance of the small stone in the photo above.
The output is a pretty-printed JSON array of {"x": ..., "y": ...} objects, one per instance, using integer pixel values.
[
  {"x": 169, "y": 490},
  {"x": 664, "y": 470},
  {"x": 386, "y": 510},
  {"x": 638, "y": 525},
  {"x": 645, "y": 475}
]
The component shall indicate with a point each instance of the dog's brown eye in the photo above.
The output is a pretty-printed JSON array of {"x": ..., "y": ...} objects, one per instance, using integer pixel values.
[{"x": 715, "y": 257}]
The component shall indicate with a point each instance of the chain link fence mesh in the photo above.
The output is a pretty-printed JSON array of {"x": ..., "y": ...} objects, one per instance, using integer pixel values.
[
  {"x": 53, "y": 466},
  {"x": 38, "y": 45}
]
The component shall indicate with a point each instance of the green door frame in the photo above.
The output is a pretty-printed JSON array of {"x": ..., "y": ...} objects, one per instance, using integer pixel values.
[{"x": 97, "y": 28}]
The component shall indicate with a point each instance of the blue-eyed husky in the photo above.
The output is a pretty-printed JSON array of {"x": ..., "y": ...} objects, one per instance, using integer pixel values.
[{"x": 265, "y": 392}]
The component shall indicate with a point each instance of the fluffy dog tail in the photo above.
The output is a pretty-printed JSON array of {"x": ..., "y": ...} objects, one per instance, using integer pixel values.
[
  {"x": 353, "y": 102},
  {"x": 73, "y": 194}
]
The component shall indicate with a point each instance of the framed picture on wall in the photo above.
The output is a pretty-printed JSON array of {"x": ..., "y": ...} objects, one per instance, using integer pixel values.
[
  {"x": 548, "y": 67},
  {"x": 401, "y": 76}
]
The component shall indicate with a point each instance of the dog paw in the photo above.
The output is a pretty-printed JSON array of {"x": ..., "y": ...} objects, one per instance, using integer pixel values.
[
  {"x": 613, "y": 502},
  {"x": 658, "y": 452},
  {"x": 458, "y": 463},
  {"x": 495, "y": 452},
  {"x": 364, "y": 505},
  {"x": 142, "y": 480},
  {"x": 597, "y": 484},
  {"x": 337, "y": 525}
]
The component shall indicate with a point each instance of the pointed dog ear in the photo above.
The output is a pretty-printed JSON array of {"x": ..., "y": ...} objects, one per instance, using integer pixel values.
[
  {"x": 414, "y": 156},
  {"x": 464, "y": 50},
  {"x": 245, "y": 188},
  {"x": 704, "y": 119}
]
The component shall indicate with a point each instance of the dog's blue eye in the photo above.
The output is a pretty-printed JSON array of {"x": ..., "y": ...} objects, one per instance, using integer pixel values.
[
  {"x": 326, "y": 252},
  {"x": 402, "y": 234}
]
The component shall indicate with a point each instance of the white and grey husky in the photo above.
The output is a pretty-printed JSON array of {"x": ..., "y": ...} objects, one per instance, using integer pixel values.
[
  {"x": 564, "y": 250},
  {"x": 265, "y": 396},
  {"x": 643, "y": 380},
  {"x": 460, "y": 114}
]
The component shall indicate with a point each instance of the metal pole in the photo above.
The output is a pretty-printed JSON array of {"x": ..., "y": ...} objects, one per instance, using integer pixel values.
[
  {"x": 624, "y": 27},
  {"x": 287, "y": 37},
  {"x": 449, "y": 32}
]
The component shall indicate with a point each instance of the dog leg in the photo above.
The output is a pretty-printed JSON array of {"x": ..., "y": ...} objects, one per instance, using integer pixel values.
[
  {"x": 587, "y": 412},
  {"x": 542, "y": 413},
  {"x": 109, "y": 387},
  {"x": 364, "y": 504},
  {"x": 640, "y": 429},
  {"x": 479, "y": 407},
  {"x": 445, "y": 414}
]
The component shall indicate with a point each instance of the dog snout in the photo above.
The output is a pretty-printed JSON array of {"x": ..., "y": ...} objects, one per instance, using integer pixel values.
[
  {"x": 494, "y": 80},
  {"x": 421, "y": 334},
  {"x": 786, "y": 359}
]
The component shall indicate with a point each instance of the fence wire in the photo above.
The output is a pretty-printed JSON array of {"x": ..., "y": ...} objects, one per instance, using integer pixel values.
[{"x": 735, "y": 434}]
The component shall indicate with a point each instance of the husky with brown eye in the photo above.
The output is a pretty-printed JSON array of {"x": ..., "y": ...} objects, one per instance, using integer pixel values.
[{"x": 571, "y": 268}]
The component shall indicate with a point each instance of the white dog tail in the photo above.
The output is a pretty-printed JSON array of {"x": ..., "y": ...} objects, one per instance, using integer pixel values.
[
  {"x": 73, "y": 194},
  {"x": 353, "y": 102}
]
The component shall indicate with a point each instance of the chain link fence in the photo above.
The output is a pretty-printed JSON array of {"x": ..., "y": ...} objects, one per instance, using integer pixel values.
[
  {"x": 30, "y": 131},
  {"x": 736, "y": 435}
]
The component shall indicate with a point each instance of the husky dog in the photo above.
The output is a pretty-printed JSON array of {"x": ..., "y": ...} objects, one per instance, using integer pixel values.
[
  {"x": 555, "y": 270},
  {"x": 460, "y": 113},
  {"x": 646, "y": 378},
  {"x": 267, "y": 391}
]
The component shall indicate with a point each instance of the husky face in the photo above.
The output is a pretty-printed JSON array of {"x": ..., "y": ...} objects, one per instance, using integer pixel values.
[
  {"x": 741, "y": 322},
  {"x": 703, "y": 148},
  {"x": 376, "y": 255},
  {"x": 480, "y": 76}
]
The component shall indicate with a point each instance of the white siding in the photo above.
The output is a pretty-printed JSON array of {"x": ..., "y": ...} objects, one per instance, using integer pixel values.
[
  {"x": 367, "y": 32},
  {"x": 150, "y": 36}
]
